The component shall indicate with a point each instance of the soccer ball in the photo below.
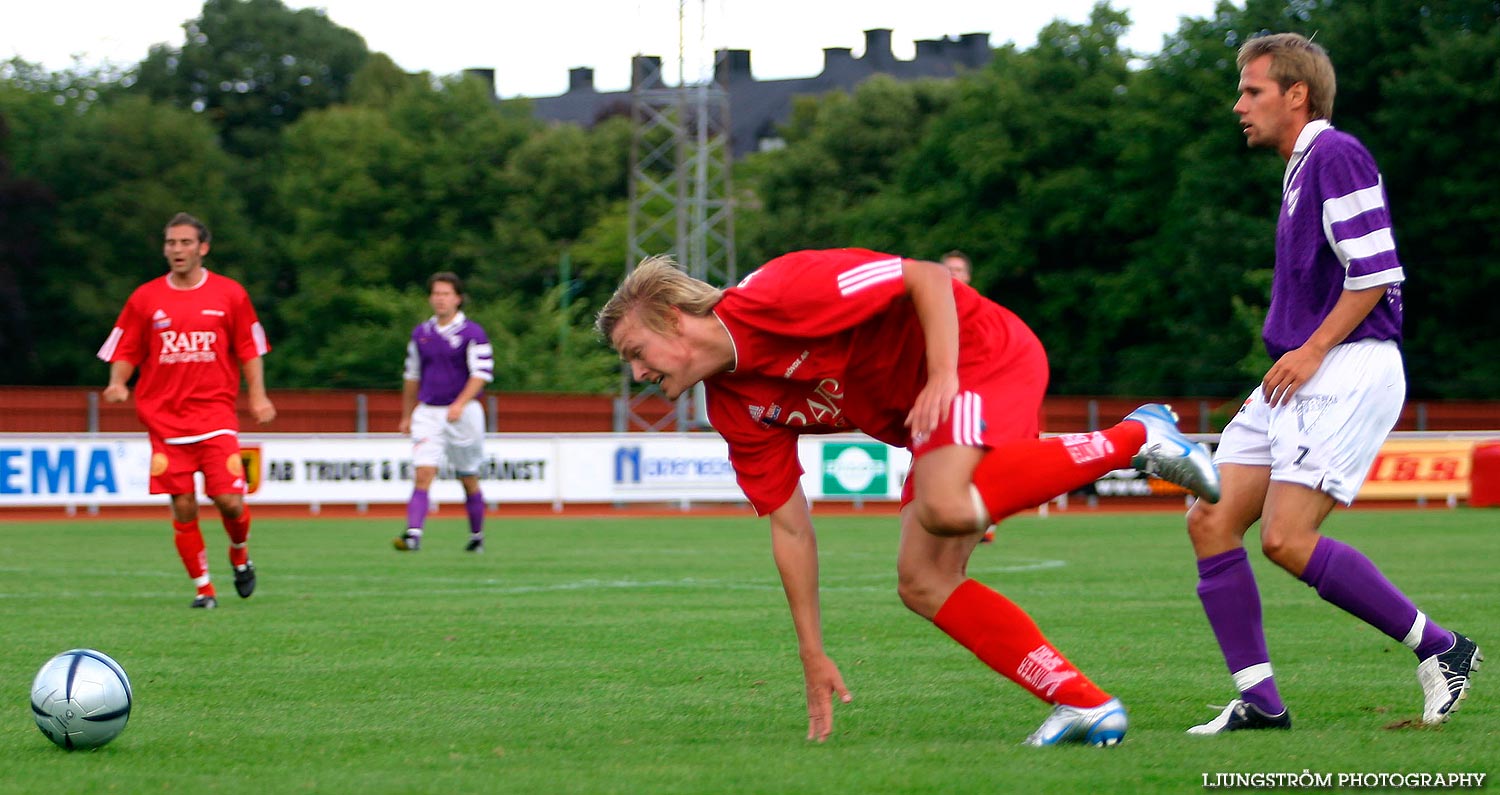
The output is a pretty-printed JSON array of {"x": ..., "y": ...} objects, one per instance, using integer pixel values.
[{"x": 81, "y": 699}]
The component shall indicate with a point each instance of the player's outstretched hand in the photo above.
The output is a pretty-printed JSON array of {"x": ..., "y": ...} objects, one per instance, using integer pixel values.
[{"x": 823, "y": 681}]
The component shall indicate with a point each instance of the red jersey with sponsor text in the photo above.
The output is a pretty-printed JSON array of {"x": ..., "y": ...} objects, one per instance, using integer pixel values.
[
  {"x": 189, "y": 344},
  {"x": 827, "y": 342}
]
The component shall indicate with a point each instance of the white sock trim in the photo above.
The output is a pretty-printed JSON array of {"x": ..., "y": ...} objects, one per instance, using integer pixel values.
[
  {"x": 1249, "y": 677},
  {"x": 1413, "y": 637},
  {"x": 199, "y": 582},
  {"x": 981, "y": 513}
]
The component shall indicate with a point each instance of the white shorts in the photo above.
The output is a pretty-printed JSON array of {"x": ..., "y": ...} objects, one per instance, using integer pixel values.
[
  {"x": 1327, "y": 437},
  {"x": 434, "y": 438}
]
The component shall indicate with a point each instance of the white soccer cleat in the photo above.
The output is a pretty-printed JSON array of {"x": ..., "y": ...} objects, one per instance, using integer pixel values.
[
  {"x": 1169, "y": 455},
  {"x": 1445, "y": 679},
  {"x": 1103, "y": 725}
]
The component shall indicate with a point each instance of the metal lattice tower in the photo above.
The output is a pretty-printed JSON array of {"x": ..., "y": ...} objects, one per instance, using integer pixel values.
[{"x": 680, "y": 202}]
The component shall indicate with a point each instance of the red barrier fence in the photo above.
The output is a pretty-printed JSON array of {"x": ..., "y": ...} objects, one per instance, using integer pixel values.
[{"x": 79, "y": 410}]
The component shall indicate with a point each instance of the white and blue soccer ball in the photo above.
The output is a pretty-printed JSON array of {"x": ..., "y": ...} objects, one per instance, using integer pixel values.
[{"x": 81, "y": 699}]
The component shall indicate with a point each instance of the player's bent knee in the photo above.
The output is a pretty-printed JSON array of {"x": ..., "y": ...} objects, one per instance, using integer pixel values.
[
  {"x": 917, "y": 594},
  {"x": 947, "y": 518},
  {"x": 1286, "y": 551},
  {"x": 1205, "y": 523},
  {"x": 231, "y": 506}
]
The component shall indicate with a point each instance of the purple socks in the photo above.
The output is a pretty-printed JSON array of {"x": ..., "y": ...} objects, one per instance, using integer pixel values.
[
  {"x": 1347, "y": 579},
  {"x": 1226, "y": 586},
  {"x": 416, "y": 509},
  {"x": 475, "y": 507}
]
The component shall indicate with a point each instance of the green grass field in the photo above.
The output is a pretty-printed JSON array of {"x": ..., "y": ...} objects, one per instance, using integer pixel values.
[{"x": 655, "y": 656}]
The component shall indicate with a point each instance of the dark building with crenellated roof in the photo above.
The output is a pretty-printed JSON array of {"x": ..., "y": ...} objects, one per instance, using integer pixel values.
[{"x": 756, "y": 107}]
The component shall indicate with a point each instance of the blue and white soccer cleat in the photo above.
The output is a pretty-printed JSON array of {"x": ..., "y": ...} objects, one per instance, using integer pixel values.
[
  {"x": 1103, "y": 725},
  {"x": 1169, "y": 455}
]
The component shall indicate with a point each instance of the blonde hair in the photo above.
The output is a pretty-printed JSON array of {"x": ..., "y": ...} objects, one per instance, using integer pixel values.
[
  {"x": 1296, "y": 59},
  {"x": 652, "y": 290}
]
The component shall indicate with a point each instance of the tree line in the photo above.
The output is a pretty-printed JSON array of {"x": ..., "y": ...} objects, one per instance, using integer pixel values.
[{"x": 1105, "y": 196}]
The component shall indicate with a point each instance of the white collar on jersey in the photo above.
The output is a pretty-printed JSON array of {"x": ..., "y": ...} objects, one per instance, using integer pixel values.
[
  {"x": 1305, "y": 138},
  {"x": 458, "y": 320}
]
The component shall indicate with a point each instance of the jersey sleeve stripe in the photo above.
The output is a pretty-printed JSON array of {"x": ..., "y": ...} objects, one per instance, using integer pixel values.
[
  {"x": 258, "y": 334},
  {"x": 412, "y": 369},
  {"x": 1349, "y": 205},
  {"x": 107, "y": 350},
  {"x": 868, "y": 275},
  {"x": 1373, "y": 244},
  {"x": 1389, "y": 276},
  {"x": 481, "y": 361}
]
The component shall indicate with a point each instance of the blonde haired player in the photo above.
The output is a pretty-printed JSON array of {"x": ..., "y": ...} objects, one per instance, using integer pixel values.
[{"x": 850, "y": 339}]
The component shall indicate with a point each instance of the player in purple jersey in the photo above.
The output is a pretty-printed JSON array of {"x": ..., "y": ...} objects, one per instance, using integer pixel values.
[
  {"x": 448, "y": 362},
  {"x": 1305, "y": 438}
]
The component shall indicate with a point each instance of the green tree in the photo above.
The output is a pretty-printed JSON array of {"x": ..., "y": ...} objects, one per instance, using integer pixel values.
[
  {"x": 1204, "y": 207},
  {"x": 252, "y": 67},
  {"x": 117, "y": 174},
  {"x": 1019, "y": 173},
  {"x": 389, "y": 195},
  {"x": 842, "y": 151},
  {"x": 1442, "y": 188},
  {"x": 546, "y": 345},
  {"x": 343, "y": 336}
]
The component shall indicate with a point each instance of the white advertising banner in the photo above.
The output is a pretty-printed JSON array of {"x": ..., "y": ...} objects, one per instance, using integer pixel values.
[
  {"x": 78, "y": 470},
  {"x": 86, "y": 470}
]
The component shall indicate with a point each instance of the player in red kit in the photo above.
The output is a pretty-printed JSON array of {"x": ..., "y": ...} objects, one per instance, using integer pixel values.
[
  {"x": 849, "y": 339},
  {"x": 192, "y": 333}
]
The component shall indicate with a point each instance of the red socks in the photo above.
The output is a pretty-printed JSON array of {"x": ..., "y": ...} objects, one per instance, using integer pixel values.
[
  {"x": 1003, "y": 637},
  {"x": 190, "y": 548},
  {"x": 239, "y": 533},
  {"x": 1019, "y": 475}
]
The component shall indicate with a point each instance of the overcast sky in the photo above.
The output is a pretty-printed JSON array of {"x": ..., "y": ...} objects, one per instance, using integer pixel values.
[{"x": 531, "y": 45}]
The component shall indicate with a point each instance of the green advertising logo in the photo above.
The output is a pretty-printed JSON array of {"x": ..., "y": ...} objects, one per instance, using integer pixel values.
[{"x": 855, "y": 469}]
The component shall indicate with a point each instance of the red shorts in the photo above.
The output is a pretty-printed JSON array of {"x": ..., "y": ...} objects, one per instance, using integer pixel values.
[
  {"x": 217, "y": 457},
  {"x": 1003, "y": 404}
]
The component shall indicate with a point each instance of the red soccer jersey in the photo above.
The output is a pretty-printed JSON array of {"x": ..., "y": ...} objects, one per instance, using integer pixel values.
[
  {"x": 828, "y": 342},
  {"x": 189, "y": 345}
]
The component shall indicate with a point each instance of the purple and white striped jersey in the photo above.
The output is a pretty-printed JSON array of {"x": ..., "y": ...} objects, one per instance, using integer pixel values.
[
  {"x": 1334, "y": 233},
  {"x": 443, "y": 358}
]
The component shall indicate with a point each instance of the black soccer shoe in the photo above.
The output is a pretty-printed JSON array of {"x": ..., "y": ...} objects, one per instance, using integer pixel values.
[
  {"x": 1240, "y": 715},
  {"x": 202, "y": 602},
  {"x": 244, "y": 580},
  {"x": 476, "y": 544}
]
